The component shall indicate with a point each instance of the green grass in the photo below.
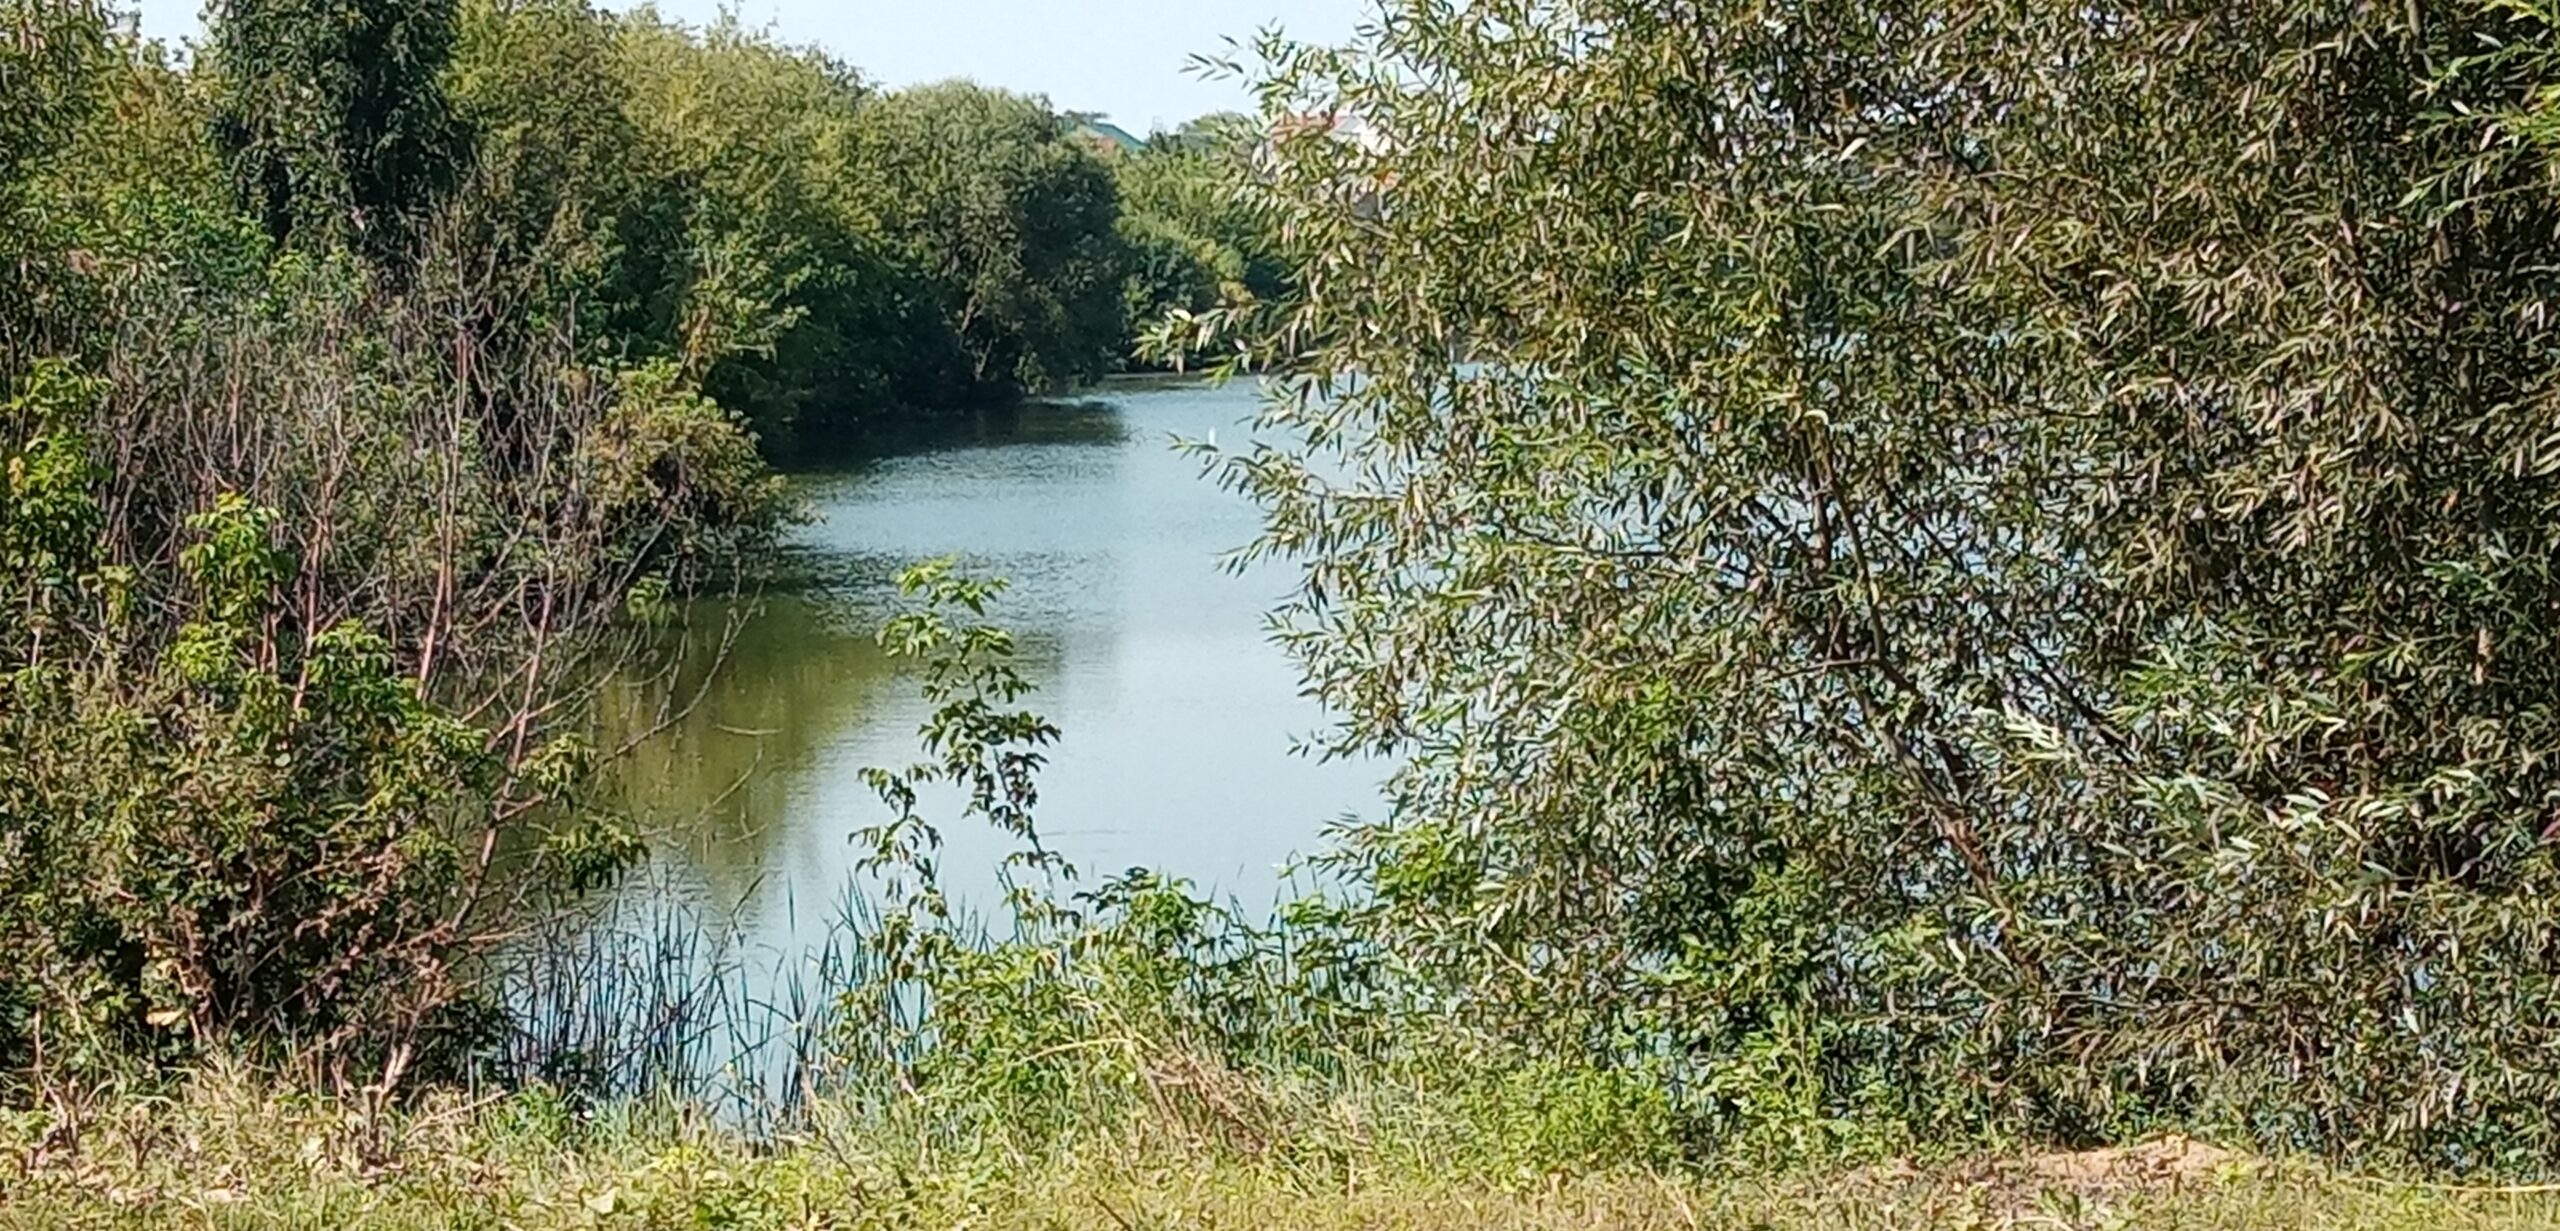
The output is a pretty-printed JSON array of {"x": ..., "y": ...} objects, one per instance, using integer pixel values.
[{"x": 227, "y": 1151}]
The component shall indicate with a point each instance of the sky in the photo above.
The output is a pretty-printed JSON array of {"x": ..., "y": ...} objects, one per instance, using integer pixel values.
[{"x": 1124, "y": 58}]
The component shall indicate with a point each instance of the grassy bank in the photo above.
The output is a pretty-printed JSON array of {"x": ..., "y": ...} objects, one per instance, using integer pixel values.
[{"x": 227, "y": 1151}]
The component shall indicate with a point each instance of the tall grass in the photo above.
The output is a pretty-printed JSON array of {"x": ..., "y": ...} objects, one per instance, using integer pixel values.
[{"x": 654, "y": 993}]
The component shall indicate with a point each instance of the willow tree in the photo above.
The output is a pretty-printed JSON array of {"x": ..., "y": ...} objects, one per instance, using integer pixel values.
[{"x": 1984, "y": 565}]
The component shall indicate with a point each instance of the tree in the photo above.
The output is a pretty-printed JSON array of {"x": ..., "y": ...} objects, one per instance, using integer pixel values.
[
  {"x": 1013, "y": 221},
  {"x": 1982, "y": 565},
  {"x": 50, "y": 84},
  {"x": 1197, "y": 243},
  {"x": 702, "y": 197},
  {"x": 334, "y": 117},
  {"x": 558, "y": 192}
]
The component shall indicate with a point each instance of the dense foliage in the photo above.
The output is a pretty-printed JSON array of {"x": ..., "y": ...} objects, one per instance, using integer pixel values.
[
  {"x": 372, "y": 379},
  {"x": 334, "y": 118},
  {"x": 306, "y": 571},
  {"x": 290, "y": 709},
  {"x": 1985, "y": 568},
  {"x": 812, "y": 251},
  {"x": 1012, "y": 222},
  {"x": 1931, "y": 570},
  {"x": 1198, "y": 243}
]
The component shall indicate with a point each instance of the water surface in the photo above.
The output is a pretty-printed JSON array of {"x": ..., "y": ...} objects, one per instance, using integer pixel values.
[{"x": 1181, "y": 721}]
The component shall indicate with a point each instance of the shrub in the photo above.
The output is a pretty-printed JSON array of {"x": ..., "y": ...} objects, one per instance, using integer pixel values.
[
  {"x": 1992, "y": 561},
  {"x": 304, "y": 613},
  {"x": 241, "y": 830}
]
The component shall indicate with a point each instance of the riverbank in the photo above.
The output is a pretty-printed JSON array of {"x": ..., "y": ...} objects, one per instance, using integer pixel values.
[{"x": 227, "y": 1151}]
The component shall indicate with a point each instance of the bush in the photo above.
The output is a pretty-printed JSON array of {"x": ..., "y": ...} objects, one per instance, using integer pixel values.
[
  {"x": 675, "y": 480},
  {"x": 1975, "y": 570},
  {"x": 253, "y": 833},
  {"x": 308, "y": 584}
]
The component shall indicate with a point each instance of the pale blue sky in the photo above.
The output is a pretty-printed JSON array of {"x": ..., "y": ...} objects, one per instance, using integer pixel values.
[{"x": 1122, "y": 57}]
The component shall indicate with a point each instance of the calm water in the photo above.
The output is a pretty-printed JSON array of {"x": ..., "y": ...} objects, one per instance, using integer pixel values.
[{"x": 1181, "y": 721}]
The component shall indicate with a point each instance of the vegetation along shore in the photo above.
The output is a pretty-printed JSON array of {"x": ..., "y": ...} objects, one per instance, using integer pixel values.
[{"x": 1954, "y": 606}]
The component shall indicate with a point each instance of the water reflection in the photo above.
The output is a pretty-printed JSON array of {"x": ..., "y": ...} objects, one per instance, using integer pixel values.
[{"x": 1179, "y": 717}]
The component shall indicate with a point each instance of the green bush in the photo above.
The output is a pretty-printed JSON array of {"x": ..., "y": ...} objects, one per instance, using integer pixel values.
[
  {"x": 1137, "y": 1013},
  {"x": 274, "y": 524},
  {"x": 246, "y": 831},
  {"x": 674, "y": 480},
  {"x": 1978, "y": 569}
]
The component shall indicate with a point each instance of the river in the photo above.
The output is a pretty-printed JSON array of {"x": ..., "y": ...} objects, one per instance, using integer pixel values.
[{"x": 1181, "y": 722}]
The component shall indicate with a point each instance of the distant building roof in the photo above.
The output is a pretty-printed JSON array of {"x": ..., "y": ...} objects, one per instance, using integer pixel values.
[{"x": 1105, "y": 132}]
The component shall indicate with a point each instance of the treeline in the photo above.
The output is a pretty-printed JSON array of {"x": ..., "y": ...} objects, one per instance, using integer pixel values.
[
  {"x": 813, "y": 251},
  {"x": 807, "y": 249}
]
